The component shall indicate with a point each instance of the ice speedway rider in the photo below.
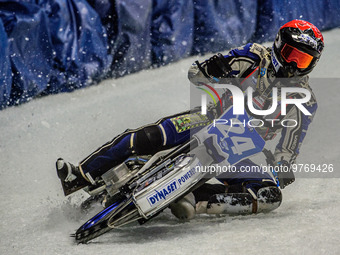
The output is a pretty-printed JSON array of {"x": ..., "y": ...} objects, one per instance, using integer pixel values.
[{"x": 295, "y": 52}]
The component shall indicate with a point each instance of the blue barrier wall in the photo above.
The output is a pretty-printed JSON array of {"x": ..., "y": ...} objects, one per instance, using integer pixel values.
[
  {"x": 5, "y": 67},
  {"x": 272, "y": 14},
  {"x": 51, "y": 46},
  {"x": 223, "y": 24},
  {"x": 171, "y": 30}
]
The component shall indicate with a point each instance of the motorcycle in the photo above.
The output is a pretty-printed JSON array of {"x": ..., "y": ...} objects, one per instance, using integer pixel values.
[{"x": 142, "y": 186}]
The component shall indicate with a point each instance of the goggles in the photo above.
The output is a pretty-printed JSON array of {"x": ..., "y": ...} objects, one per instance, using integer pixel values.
[{"x": 290, "y": 54}]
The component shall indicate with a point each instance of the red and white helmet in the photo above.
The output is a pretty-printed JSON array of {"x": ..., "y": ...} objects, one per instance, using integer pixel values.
[{"x": 297, "y": 47}]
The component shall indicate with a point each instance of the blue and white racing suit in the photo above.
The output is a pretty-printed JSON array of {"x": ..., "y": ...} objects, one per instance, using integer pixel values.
[{"x": 250, "y": 65}]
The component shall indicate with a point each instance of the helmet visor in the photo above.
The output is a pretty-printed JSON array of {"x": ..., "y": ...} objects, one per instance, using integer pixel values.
[{"x": 290, "y": 54}]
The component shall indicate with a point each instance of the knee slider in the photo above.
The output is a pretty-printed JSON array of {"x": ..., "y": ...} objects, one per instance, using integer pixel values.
[
  {"x": 268, "y": 199},
  {"x": 148, "y": 140}
]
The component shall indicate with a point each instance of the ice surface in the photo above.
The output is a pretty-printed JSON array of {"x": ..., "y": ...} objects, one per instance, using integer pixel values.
[{"x": 37, "y": 219}]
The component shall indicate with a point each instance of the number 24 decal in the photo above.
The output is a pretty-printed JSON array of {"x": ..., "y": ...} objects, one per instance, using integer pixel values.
[{"x": 240, "y": 144}]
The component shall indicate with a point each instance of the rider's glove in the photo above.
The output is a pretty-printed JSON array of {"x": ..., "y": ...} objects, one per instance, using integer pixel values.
[{"x": 218, "y": 66}]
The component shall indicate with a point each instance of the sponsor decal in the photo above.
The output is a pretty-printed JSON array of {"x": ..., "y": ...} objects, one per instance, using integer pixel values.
[{"x": 168, "y": 189}]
